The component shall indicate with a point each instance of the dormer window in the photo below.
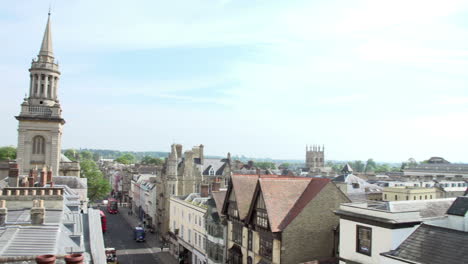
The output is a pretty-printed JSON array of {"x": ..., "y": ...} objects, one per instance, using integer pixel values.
[{"x": 211, "y": 172}]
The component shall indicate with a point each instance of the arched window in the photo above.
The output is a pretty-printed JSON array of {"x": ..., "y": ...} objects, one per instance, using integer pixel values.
[{"x": 38, "y": 145}]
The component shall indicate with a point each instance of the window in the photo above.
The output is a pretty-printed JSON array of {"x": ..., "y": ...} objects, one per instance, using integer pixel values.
[
  {"x": 211, "y": 172},
  {"x": 249, "y": 240},
  {"x": 261, "y": 216},
  {"x": 249, "y": 260},
  {"x": 414, "y": 198},
  {"x": 199, "y": 240},
  {"x": 189, "y": 216},
  {"x": 425, "y": 197},
  {"x": 38, "y": 145},
  {"x": 364, "y": 240},
  {"x": 355, "y": 185},
  {"x": 407, "y": 197},
  {"x": 189, "y": 235},
  {"x": 196, "y": 238},
  {"x": 385, "y": 196},
  {"x": 420, "y": 197},
  {"x": 430, "y": 196},
  {"x": 396, "y": 197},
  {"x": 237, "y": 233},
  {"x": 266, "y": 246},
  {"x": 232, "y": 209}
]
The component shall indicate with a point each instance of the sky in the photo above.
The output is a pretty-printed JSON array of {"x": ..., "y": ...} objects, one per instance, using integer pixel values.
[{"x": 368, "y": 79}]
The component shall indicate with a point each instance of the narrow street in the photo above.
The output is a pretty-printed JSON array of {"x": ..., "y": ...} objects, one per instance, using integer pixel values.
[{"x": 119, "y": 235}]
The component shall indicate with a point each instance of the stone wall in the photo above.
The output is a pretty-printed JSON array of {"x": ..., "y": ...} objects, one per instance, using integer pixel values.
[{"x": 310, "y": 235}]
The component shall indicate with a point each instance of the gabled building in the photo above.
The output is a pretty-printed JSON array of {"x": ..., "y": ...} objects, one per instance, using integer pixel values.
[{"x": 275, "y": 219}]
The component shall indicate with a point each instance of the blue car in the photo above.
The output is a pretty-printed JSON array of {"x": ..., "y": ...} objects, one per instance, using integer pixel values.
[{"x": 139, "y": 234}]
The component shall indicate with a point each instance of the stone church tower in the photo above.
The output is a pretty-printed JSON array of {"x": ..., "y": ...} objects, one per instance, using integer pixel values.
[
  {"x": 40, "y": 120},
  {"x": 315, "y": 157}
]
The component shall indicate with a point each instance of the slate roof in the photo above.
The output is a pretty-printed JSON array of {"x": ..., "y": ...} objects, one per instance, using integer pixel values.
[
  {"x": 427, "y": 208},
  {"x": 285, "y": 197},
  {"x": 244, "y": 188},
  {"x": 218, "y": 166},
  {"x": 433, "y": 245},
  {"x": 459, "y": 207}
]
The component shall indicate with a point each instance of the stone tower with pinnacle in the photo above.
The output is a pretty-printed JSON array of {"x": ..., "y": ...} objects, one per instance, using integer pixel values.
[
  {"x": 315, "y": 157},
  {"x": 40, "y": 120}
]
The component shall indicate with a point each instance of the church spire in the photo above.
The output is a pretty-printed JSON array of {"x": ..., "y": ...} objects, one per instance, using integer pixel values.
[{"x": 46, "y": 47}]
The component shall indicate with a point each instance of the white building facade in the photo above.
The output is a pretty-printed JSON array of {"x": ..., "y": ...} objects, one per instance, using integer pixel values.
[{"x": 188, "y": 224}]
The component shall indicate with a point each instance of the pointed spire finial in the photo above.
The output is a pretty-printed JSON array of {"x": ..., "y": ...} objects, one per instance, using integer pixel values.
[{"x": 46, "y": 46}]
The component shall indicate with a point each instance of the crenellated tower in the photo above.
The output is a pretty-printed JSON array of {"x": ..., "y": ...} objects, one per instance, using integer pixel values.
[
  {"x": 40, "y": 120},
  {"x": 315, "y": 157}
]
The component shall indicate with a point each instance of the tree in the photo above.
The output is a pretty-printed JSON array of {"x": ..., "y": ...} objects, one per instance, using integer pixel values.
[
  {"x": 98, "y": 187},
  {"x": 357, "y": 166},
  {"x": 71, "y": 154},
  {"x": 285, "y": 165},
  {"x": 126, "y": 158},
  {"x": 382, "y": 168},
  {"x": 86, "y": 154},
  {"x": 265, "y": 165},
  {"x": 147, "y": 160},
  {"x": 7, "y": 153},
  {"x": 370, "y": 165}
]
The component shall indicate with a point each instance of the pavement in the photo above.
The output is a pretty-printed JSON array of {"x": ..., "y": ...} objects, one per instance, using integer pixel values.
[{"x": 152, "y": 240}]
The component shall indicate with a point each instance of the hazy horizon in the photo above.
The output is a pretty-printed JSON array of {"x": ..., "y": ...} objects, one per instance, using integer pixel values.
[{"x": 367, "y": 79}]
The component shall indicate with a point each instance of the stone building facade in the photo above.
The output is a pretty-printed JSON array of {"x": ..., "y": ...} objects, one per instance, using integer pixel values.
[{"x": 184, "y": 173}]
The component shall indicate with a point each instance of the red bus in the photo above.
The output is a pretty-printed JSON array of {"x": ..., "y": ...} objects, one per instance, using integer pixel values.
[
  {"x": 103, "y": 221},
  {"x": 112, "y": 206}
]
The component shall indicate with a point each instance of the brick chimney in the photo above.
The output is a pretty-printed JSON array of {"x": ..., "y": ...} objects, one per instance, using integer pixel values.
[
  {"x": 204, "y": 190},
  {"x": 3, "y": 212},
  {"x": 43, "y": 180},
  {"x": 31, "y": 178},
  {"x": 13, "y": 175},
  {"x": 37, "y": 212},
  {"x": 215, "y": 186},
  {"x": 49, "y": 175}
]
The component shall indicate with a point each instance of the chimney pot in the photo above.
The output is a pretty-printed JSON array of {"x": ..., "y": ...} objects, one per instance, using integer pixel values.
[
  {"x": 45, "y": 259},
  {"x": 77, "y": 258}
]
